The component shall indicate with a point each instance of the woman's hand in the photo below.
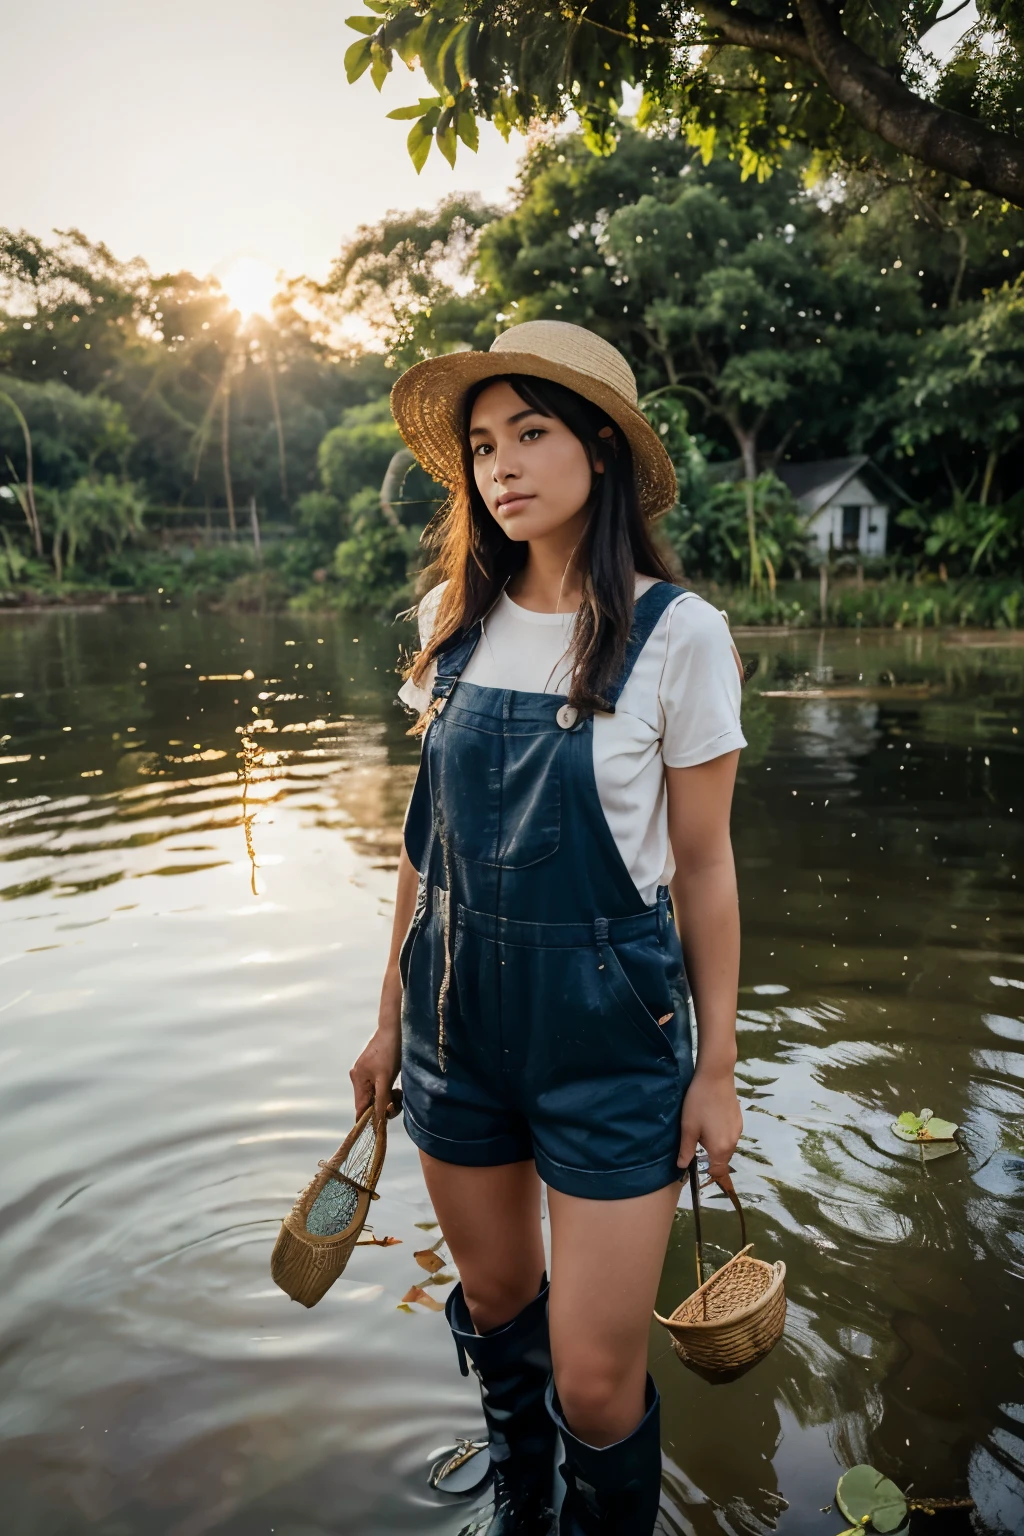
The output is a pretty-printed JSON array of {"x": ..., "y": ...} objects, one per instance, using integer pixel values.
[
  {"x": 712, "y": 1116},
  {"x": 373, "y": 1075}
]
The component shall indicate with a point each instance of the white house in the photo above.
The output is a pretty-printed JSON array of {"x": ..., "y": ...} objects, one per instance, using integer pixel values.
[{"x": 841, "y": 499}]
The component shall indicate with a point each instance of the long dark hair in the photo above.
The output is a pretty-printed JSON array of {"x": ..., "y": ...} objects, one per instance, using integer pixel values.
[{"x": 476, "y": 557}]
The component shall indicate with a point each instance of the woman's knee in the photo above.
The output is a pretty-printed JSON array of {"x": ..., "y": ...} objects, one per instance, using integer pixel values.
[
  {"x": 601, "y": 1400},
  {"x": 495, "y": 1299}
]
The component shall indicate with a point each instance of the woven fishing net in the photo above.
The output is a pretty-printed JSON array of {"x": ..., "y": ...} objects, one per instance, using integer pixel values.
[{"x": 335, "y": 1206}]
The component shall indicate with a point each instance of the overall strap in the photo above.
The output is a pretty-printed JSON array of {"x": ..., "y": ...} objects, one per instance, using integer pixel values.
[
  {"x": 646, "y": 614},
  {"x": 453, "y": 659}
]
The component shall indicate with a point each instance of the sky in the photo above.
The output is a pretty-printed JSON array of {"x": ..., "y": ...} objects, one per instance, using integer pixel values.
[{"x": 210, "y": 133}]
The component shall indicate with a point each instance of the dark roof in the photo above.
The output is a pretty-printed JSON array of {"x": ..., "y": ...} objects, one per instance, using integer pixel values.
[{"x": 815, "y": 484}]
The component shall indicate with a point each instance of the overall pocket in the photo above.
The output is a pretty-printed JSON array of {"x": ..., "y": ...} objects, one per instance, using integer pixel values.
[
  {"x": 500, "y": 792},
  {"x": 648, "y": 1002}
]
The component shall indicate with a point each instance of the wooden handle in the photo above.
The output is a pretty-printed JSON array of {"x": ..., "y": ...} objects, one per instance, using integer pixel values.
[{"x": 724, "y": 1183}]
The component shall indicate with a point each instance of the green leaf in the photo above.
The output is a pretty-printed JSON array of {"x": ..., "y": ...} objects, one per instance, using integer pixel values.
[
  {"x": 380, "y": 66},
  {"x": 940, "y": 1130},
  {"x": 463, "y": 51},
  {"x": 923, "y": 1127},
  {"x": 448, "y": 60},
  {"x": 357, "y": 59},
  {"x": 864, "y": 1494},
  {"x": 408, "y": 43},
  {"x": 365, "y": 24},
  {"x": 421, "y": 108},
  {"x": 421, "y": 136},
  {"x": 466, "y": 126},
  {"x": 445, "y": 135}
]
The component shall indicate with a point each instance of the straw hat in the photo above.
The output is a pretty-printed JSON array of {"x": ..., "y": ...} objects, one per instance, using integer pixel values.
[{"x": 427, "y": 402}]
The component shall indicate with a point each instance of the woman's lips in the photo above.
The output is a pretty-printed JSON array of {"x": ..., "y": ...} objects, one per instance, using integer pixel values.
[{"x": 513, "y": 504}]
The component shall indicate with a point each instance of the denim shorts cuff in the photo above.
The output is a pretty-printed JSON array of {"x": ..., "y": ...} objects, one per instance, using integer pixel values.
[
  {"x": 608, "y": 1183},
  {"x": 490, "y": 1152}
]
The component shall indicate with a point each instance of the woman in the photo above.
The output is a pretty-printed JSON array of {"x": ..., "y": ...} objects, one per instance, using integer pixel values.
[{"x": 581, "y": 720}]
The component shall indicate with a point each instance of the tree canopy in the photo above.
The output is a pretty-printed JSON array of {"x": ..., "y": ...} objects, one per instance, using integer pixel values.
[{"x": 857, "y": 84}]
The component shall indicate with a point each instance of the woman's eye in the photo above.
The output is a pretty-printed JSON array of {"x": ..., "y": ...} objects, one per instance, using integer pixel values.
[
  {"x": 481, "y": 449},
  {"x": 532, "y": 433}
]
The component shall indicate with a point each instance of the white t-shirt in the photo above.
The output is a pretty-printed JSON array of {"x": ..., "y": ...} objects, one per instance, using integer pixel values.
[{"x": 680, "y": 706}]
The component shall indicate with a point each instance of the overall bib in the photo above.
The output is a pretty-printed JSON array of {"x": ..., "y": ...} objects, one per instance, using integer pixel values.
[{"x": 545, "y": 1012}]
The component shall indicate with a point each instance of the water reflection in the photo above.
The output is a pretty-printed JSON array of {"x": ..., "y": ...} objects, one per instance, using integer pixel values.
[{"x": 175, "y": 1050}]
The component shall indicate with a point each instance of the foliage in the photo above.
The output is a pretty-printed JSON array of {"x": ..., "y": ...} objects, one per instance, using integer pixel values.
[
  {"x": 356, "y": 453},
  {"x": 372, "y": 568},
  {"x": 709, "y": 534},
  {"x": 72, "y": 434},
  {"x": 853, "y": 83},
  {"x": 971, "y": 535},
  {"x": 401, "y": 277},
  {"x": 893, "y": 602},
  {"x": 92, "y": 515},
  {"x": 967, "y": 381},
  {"x": 209, "y": 408}
]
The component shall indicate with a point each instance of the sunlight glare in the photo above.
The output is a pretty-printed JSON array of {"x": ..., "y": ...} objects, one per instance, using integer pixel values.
[{"x": 250, "y": 285}]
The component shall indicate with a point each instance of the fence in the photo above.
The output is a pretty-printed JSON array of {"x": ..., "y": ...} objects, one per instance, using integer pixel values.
[{"x": 210, "y": 526}]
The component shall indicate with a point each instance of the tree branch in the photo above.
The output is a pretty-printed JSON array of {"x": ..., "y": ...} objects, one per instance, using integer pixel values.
[
  {"x": 945, "y": 140},
  {"x": 749, "y": 31}
]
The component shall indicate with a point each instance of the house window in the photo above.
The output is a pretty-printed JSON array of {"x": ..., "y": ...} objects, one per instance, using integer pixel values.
[{"x": 851, "y": 527}]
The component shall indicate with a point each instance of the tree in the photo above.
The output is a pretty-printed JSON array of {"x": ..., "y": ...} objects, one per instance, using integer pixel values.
[
  {"x": 727, "y": 294},
  {"x": 851, "y": 82},
  {"x": 402, "y": 277},
  {"x": 966, "y": 386}
]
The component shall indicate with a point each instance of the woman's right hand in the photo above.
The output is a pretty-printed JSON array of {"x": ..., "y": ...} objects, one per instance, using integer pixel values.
[{"x": 376, "y": 1067}]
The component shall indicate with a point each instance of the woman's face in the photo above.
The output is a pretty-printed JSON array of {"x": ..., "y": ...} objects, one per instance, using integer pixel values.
[{"x": 532, "y": 472}]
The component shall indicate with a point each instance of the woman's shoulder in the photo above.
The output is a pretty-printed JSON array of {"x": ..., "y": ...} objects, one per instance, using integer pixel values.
[{"x": 698, "y": 642}]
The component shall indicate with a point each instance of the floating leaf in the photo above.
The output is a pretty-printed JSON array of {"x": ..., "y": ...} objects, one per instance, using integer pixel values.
[
  {"x": 429, "y": 1259},
  {"x": 865, "y": 1495},
  {"x": 940, "y": 1130},
  {"x": 425, "y": 1226},
  {"x": 417, "y": 1294},
  {"x": 403, "y": 1306},
  {"x": 377, "y": 1242},
  {"x": 444, "y": 1278},
  {"x": 923, "y": 1127}
]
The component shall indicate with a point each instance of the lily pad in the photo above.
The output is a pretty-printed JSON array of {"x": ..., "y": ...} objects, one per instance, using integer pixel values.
[
  {"x": 865, "y": 1495},
  {"x": 923, "y": 1127}
]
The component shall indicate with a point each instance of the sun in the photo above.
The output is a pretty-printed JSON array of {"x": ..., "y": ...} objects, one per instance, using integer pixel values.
[{"x": 250, "y": 285}]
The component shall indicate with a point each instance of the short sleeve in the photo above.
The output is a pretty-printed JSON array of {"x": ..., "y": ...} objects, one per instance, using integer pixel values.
[
  {"x": 417, "y": 695},
  {"x": 700, "y": 687}
]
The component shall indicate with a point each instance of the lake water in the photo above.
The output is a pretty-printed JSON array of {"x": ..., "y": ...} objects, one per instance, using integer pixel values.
[{"x": 190, "y": 962}]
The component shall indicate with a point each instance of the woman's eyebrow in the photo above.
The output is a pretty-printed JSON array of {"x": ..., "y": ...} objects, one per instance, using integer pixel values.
[{"x": 509, "y": 421}]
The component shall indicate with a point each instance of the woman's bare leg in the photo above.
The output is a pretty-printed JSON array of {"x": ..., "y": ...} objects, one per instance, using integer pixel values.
[
  {"x": 490, "y": 1218},
  {"x": 606, "y": 1262}
]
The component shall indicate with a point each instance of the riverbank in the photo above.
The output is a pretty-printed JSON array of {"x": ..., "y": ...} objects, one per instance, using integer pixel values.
[{"x": 228, "y": 583}]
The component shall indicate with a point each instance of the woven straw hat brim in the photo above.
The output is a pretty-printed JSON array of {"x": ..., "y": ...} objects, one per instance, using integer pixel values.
[{"x": 427, "y": 404}]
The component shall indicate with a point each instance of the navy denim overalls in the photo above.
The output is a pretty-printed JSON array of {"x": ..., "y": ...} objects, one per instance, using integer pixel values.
[{"x": 546, "y": 1007}]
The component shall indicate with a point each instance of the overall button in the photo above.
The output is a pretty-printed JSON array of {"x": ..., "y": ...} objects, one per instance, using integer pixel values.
[{"x": 567, "y": 716}]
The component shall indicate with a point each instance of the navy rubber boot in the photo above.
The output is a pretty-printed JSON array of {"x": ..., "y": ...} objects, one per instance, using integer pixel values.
[
  {"x": 513, "y": 1366},
  {"x": 611, "y": 1490}
]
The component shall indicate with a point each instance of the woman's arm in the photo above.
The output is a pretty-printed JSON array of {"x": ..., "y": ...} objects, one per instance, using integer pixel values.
[
  {"x": 707, "y": 916},
  {"x": 374, "y": 1073}
]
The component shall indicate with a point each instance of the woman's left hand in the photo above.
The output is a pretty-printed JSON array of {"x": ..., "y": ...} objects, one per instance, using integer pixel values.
[{"x": 712, "y": 1116}]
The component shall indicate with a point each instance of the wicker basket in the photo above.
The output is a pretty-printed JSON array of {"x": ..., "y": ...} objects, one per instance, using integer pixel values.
[
  {"x": 321, "y": 1229},
  {"x": 732, "y": 1320}
]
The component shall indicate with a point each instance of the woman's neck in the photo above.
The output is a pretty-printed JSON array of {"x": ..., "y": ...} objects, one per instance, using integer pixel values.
[{"x": 551, "y": 581}]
